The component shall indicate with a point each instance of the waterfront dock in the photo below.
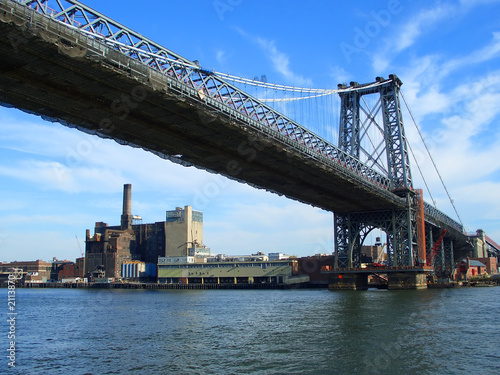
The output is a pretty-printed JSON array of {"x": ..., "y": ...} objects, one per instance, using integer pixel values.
[{"x": 154, "y": 286}]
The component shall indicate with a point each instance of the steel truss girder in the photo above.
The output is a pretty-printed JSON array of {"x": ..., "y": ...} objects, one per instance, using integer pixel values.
[
  {"x": 429, "y": 240},
  {"x": 438, "y": 216},
  {"x": 399, "y": 225},
  {"x": 191, "y": 80},
  {"x": 444, "y": 260},
  {"x": 449, "y": 261}
]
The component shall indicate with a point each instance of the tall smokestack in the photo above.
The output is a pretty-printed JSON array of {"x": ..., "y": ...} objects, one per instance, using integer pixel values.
[
  {"x": 127, "y": 199},
  {"x": 127, "y": 207}
]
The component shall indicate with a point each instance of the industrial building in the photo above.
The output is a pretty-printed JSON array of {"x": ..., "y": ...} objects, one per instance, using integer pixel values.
[
  {"x": 33, "y": 271},
  {"x": 484, "y": 246},
  {"x": 184, "y": 231},
  {"x": 229, "y": 271},
  {"x": 62, "y": 269},
  {"x": 107, "y": 249},
  {"x": 136, "y": 270},
  {"x": 110, "y": 247},
  {"x": 315, "y": 267}
]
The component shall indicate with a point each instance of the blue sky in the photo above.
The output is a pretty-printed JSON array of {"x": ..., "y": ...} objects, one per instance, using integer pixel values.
[{"x": 56, "y": 182}]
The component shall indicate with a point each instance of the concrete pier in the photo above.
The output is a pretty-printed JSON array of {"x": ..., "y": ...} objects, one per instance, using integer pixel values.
[
  {"x": 406, "y": 280},
  {"x": 397, "y": 278},
  {"x": 348, "y": 281}
]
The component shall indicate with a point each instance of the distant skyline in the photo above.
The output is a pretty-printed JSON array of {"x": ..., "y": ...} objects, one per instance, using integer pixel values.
[{"x": 56, "y": 182}]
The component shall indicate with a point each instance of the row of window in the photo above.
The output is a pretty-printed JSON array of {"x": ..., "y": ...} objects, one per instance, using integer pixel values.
[{"x": 222, "y": 265}]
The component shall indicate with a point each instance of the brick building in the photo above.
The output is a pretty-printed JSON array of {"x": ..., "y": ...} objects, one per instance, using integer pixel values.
[{"x": 36, "y": 270}]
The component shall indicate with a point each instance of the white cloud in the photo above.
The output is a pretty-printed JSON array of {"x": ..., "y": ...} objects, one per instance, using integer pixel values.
[
  {"x": 220, "y": 56},
  {"x": 421, "y": 23},
  {"x": 453, "y": 136},
  {"x": 476, "y": 57},
  {"x": 279, "y": 59},
  {"x": 56, "y": 176},
  {"x": 58, "y": 158},
  {"x": 406, "y": 36},
  {"x": 273, "y": 225},
  {"x": 426, "y": 22},
  {"x": 339, "y": 74},
  {"x": 281, "y": 63},
  {"x": 477, "y": 193}
]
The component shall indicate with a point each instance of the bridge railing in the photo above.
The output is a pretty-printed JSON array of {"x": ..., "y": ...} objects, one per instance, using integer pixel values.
[{"x": 210, "y": 88}]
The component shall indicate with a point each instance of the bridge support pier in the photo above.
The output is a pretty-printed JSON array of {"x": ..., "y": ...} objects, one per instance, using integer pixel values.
[
  {"x": 406, "y": 280},
  {"x": 400, "y": 225},
  {"x": 348, "y": 281}
]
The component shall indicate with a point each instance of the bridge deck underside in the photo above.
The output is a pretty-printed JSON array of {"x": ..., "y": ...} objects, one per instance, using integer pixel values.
[{"x": 124, "y": 103}]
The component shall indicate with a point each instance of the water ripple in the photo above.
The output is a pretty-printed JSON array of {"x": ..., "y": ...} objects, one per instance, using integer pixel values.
[{"x": 258, "y": 332}]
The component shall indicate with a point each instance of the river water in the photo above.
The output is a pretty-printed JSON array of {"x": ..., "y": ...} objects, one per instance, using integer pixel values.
[{"x": 77, "y": 331}]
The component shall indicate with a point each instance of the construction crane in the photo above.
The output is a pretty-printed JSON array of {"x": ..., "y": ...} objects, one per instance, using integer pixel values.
[
  {"x": 435, "y": 248},
  {"x": 78, "y": 242}
]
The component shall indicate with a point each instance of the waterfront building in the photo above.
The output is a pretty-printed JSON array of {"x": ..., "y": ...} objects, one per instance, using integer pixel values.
[
  {"x": 80, "y": 267},
  {"x": 35, "y": 271},
  {"x": 483, "y": 245},
  {"x": 67, "y": 271},
  {"x": 468, "y": 268},
  {"x": 315, "y": 267},
  {"x": 228, "y": 272},
  {"x": 58, "y": 266},
  {"x": 133, "y": 269},
  {"x": 137, "y": 270},
  {"x": 150, "y": 241},
  {"x": 74, "y": 280},
  {"x": 107, "y": 249}
]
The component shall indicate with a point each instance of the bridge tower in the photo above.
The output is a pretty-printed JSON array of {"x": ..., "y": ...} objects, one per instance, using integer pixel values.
[{"x": 404, "y": 227}]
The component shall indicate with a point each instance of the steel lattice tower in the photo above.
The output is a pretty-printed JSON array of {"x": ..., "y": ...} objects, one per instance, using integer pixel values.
[{"x": 400, "y": 225}]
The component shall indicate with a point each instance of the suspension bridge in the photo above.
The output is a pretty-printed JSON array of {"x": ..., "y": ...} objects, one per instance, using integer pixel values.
[{"x": 68, "y": 63}]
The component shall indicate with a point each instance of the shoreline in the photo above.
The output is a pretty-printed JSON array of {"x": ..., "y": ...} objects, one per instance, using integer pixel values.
[
  {"x": 246, "y": 286},
  {"x": 154, "y": 286}
]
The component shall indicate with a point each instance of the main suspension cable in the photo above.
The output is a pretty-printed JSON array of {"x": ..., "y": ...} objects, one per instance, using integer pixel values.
[
  {"x": 272, "y": 85},
  {"x": 270, "y": 100}
]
